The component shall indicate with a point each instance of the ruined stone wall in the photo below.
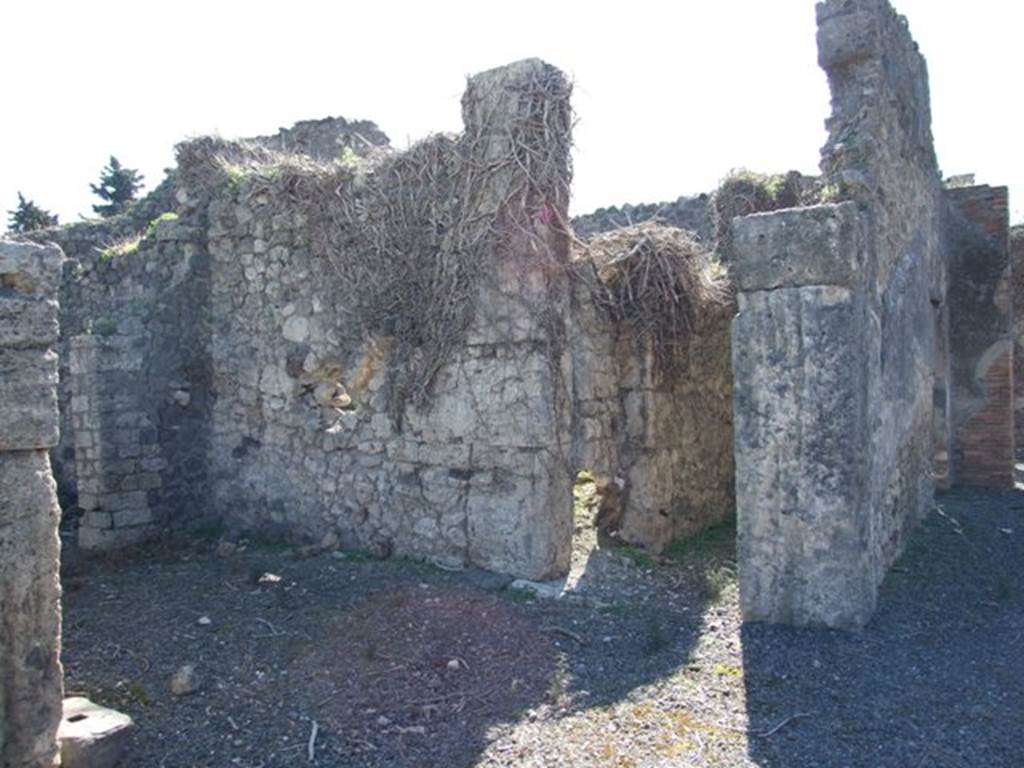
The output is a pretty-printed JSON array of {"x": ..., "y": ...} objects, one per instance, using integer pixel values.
[
  {"x": 326, "y": 139},
  {"x": 981, "y": 335},
  {"x": 696, "y": 214},
  {"x": 83, "y": 243},
  {"x": 834, "y": 345},
  {"x": 664, "y": 440},
  {"x": 221, "y": 362},
  {"x": 135, "y": 384},
  {"x": 304, "y": 439},
  {"x": 31, "y": 682}
]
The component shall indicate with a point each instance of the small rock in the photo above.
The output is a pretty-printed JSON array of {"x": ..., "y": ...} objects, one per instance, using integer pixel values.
[
  {"x": 226, "y": 549},
  {"x": 185, "y": 681},
  {"x": 454, "y": 664},
  {"x": 305, "y": 552},
  {"x": 204, "y": 621},
  {"x": 382, "y": 721}
]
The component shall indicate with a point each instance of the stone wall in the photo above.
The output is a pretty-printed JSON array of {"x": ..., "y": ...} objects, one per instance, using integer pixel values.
[
  {"x": 695, "y": 214},
  {"x": 31, "y": 681},
  {"x": 303, "y": 436},
  {"x": 834, "y": 345},
  {"x": 219, "y": 363},
  {"x": 116, "y": 286},
  {"x": 135, "y": 385},
  {"x": 83, "y": 244},
  {"x": 326, "y": 139},
  {"x": 664, "y": 440},
  {"x": 135, "y": 390},
  {"x": 981, "y": 335}
]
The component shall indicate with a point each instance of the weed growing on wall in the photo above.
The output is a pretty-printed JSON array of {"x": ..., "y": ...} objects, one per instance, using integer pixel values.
[
  {"x": 125, "y": 247},
  {"x": 152, "y": 226}
]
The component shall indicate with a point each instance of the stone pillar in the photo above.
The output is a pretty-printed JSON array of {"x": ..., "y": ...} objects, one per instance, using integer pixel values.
[
  {"x": 801, "y": 365},
  {"x": 514, "y": 370},
  {"x": 30, "y": 673},
  {"x": 836, "y": 355}
]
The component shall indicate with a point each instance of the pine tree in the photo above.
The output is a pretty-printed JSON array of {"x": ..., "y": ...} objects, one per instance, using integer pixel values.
[
  {"x": 117, "y": 186},
  {"x": 28, "y": 216}
]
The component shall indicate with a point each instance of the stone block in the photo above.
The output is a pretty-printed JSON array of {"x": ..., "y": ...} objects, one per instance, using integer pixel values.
[
  {"x": 28, "y": 322},
  {"x": 821, "y": 245},
  {"x": 520, "y": 523},
  {"x": 30, "y": 269},
  {"x": 130, "y": 518},
  {"x": 846, "y": 37},
  {"x": 28, "y": 399},
  {"x": 92, "y": 736},
  {"x": 115, "y": 502}
]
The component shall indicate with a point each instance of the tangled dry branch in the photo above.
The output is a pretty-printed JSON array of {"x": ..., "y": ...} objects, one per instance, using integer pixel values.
[
  {"x": 658, "y": 283},
  {"x": 410, "y": 235}
]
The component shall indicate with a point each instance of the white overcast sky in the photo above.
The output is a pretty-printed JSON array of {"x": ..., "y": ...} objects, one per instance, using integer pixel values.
[{"x": 669, "y": 95}]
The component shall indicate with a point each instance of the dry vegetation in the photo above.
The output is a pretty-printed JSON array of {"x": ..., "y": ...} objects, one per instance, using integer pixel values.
[
  {"x": 410, "y": 235},
  {"x": 657, "y": 282}
]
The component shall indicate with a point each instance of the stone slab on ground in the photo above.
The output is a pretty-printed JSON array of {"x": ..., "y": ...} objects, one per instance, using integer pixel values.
[
  {"x": 92, "y": 736},
  {"x": 545, "y": 590}
]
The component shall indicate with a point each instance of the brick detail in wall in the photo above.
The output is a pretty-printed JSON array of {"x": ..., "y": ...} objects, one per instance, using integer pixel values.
[
  {"x": 985, "y": 450},
  {"x": 1017, "y": 280},
  {"x": 986, "y": 440}
]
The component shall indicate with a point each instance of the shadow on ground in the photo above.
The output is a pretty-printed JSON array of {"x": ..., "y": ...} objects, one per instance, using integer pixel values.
[
  {"x": 396, "y": 663},
  {"x": 936, "y": 678},
  {"x": 401, "y": 664}
]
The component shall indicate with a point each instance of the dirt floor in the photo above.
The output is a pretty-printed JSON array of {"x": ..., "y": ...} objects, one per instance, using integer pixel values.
[{"x": 340, "y": 660}]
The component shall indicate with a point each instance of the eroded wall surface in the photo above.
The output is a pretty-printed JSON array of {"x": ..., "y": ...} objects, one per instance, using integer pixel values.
[
  {"x": 304, "y": 437},
  {"x": 663, "y": 440},
  {"x": 31, "y": 681},
  {"x": 834, "y": 345}
]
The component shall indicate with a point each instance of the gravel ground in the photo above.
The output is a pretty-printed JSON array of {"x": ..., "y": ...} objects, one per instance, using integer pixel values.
[{"x": 644, "y": 663}]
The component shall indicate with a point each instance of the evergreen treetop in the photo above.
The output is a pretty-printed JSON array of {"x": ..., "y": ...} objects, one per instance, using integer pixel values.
[
  {"x": 27, "y": 217},
  {"x": 117, "y": 187}
]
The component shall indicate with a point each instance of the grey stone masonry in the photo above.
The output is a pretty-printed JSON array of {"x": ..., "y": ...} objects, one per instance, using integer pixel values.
[
  {"x": 30, "y": 671},
  {"x": 799, "y": 357},
  {"x": 478, "y": 475},
  {"x": 117, "y": 456},
  {"x": 836, "y": 346}
]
